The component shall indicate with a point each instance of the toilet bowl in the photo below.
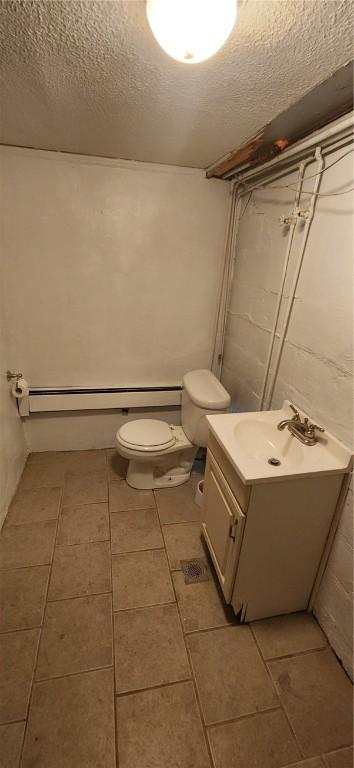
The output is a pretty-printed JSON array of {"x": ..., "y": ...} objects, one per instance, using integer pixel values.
[{"x": 161, "y": 455}]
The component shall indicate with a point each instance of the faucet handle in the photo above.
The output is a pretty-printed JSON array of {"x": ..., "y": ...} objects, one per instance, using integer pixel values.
[{"x": 312, "y": 427}]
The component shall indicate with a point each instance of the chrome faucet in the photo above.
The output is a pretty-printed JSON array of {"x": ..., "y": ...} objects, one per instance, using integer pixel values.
[
  {"x": 294, "y": 420},
  {"x": 303, "y": 430}
]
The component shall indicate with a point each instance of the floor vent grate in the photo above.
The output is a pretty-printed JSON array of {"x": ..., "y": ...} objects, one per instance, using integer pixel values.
[{"x": 195, "y": 570}]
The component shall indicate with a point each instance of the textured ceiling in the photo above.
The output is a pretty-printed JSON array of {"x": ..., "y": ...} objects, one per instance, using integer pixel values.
[{"x": 88, "y": 77}]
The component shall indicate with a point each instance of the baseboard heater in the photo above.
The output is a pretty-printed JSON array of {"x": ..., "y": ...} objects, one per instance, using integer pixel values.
[{"x": 98, "y": 398}]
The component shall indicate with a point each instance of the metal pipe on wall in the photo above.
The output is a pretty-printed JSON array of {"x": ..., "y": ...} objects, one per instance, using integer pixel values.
[
  {"x": 225, "y": 285},
  {"x": 283, "y": 278},
  {"x": 319, "y": 157}
]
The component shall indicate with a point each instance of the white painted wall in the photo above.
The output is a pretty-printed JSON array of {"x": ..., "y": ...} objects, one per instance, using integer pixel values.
[
  {"x": 112, "y": 268},
  {"x": 82, "y": 430},
  {"x": 316, "y": 365},
  {"x": 13, "y": 448},
  {"x": 112, "y": 271}
]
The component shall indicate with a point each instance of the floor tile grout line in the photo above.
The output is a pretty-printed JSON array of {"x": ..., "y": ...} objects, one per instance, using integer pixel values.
[
  {"x": 302, "y": 763},
  {"x": 40, "y": 633},
  {"x": 75, "y": 597},
  {"x": 131, "y": 509},
  {"x": 73, "y": 674},
  {"x": 78, "y": 597},
  {"x": 146, "y": 508},
  {"x": 115, "y": 724},
  {"x": 247, "y": 716},
  {"x": 24, "y": 567},
  {"x": 123, "y": 694},
  {"x": 319, "y": 649},
  {"x": 136, "y": 551},
  {"x": 210, "y": 629},
  {"x": 138, "y": 607},
  {"x": 193, "y": 679},
  {"x": 144, "y": 607},
  {"x": 85, "y": 504},
  {"x": 324, "y": 755},
  {"x": 180, "y": 522},
  {"x": 69, "y": 506},
  {"x": 81, "y": 544},
  {"x": 273, "y": 684},
  {"x": 66, "y": 507},
  {"x": 189, "y": 632},
  {"x": 19, "y": 629},
  {"x": 12, "y": 722}
]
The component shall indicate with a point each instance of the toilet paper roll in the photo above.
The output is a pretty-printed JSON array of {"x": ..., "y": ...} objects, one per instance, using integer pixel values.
[{"x": 20, "y": 388}]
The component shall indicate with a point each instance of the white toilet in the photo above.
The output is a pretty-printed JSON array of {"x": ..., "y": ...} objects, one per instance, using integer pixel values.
[{"x": 161, "y": 455}]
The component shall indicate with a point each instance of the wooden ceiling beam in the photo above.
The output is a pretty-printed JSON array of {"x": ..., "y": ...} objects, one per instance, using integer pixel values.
[
  {"x": 239, "y": 156},
  {"x": 326, "y": 102}
]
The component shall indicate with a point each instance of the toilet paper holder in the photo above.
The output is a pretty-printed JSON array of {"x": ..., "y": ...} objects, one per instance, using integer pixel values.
[
  {"x": 11, "y": 376},
  {"x": 20, "y": 391}
]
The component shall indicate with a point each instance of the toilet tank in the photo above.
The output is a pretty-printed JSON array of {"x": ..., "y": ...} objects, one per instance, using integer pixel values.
[{"x": 202, "y": 396}]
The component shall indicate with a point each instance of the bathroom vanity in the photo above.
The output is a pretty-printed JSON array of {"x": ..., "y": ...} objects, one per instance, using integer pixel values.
[{"x": 270, "y": 507}]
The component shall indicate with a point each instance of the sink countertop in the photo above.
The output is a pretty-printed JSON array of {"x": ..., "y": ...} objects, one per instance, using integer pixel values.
[{"x": 251, "y": 439}]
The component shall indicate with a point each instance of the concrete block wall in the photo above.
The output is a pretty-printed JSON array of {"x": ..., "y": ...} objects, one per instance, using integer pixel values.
[
  {"x": 316, "y": 368},
  {"x": 334, "y": 604}
]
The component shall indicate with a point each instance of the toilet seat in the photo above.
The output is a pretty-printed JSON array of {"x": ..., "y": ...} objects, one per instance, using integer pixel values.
[{"x": 146, "y": 435}]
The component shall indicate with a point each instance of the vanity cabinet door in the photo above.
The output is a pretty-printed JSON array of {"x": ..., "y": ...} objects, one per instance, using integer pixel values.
[{"x": 222, "y": 525}]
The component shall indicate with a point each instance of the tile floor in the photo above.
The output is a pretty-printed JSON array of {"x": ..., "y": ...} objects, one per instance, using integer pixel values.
[{"x": 107, "y": 657}]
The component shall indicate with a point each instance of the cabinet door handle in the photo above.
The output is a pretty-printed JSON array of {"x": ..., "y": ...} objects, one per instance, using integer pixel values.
[{"x": 232, "y": 531}]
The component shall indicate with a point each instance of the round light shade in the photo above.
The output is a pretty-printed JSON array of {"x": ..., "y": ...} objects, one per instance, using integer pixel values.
[{"x": 191, "y": 30}]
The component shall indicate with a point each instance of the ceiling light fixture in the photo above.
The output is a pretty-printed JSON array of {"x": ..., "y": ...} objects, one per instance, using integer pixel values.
[{"x": 191, "y": 30}]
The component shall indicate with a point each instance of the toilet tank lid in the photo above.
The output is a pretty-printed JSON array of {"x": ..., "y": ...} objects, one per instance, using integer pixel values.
[{"x": 205, "y": 390}]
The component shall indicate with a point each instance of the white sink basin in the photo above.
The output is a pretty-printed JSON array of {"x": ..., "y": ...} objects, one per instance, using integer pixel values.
[
  {"x": 259, "y": 451},
  {"x": 260, "y": 441}
]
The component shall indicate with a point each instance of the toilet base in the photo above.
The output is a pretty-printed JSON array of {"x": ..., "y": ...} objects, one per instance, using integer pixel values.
[
  {"x": 141, "y": 476},
  {"x": 147, "y": 476}
]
